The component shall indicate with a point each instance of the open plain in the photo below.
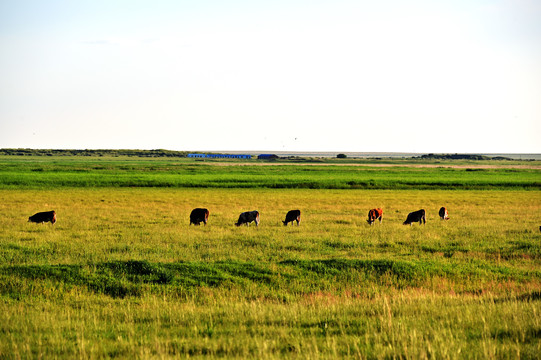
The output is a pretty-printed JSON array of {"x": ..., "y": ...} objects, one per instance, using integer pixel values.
[{"x": 123, "y": 274}]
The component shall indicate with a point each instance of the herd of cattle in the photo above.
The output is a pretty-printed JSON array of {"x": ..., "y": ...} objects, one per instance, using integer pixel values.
[{"x": 201, "y": 215}]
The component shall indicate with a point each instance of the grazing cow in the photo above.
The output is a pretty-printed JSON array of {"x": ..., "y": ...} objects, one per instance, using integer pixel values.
[
  {"x": 293, "y": 215},
  {"x": 41, "y": 217},
  {"x": 199, "y": 215},
  {"x": 444, "y": 215},
  {"x": 416, "y": 216},
  {"x": 375, "y": 214},
  {"x": 247, "y": 217}
]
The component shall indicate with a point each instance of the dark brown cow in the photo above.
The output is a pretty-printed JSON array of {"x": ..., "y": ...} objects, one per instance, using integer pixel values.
[
  {"x": 248, "y": 217},
  {"x": 292, "y": 215},
  {"x": 45, "y": 216},
  {"x": 444, "y": 215},
  {"x": 375, "y": 214},
  {"x": 416, "y": 216},
  {"x": 199, "y": 215}
]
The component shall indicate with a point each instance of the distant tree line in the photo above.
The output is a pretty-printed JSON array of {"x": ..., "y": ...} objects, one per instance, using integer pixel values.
[
  {"x": 172, "y": 153},
  {"x": 87, "y": 152},
  {"x": 461, "y": 157}
]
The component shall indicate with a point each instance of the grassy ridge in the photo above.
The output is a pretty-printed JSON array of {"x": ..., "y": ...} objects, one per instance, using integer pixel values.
[
  {"x": 284, "y": 280},
  {"x": 16, "y": 173}
]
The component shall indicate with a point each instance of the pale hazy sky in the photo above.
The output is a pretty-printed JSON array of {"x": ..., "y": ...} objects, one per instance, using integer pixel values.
[{"x": 293, "y": 75}]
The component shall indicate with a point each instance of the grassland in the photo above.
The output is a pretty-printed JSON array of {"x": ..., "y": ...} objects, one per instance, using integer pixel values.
[
  {"x": 43, "y": 172},
  {"x": 122, "y": 274}
]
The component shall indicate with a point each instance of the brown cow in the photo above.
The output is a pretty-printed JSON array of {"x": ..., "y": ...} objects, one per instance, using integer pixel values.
[
  {"x": 416, "y": 216},
  {"x": 375, "y": 214},
  {"x": 45, "y": 216},
  {"x": 199, "y": 215},
  {"x": 444, "y": 215},
  {"x": 293, "y": 215}
]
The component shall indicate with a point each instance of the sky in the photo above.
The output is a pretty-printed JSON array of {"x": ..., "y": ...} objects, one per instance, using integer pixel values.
[{"x": 449, "y": 76}]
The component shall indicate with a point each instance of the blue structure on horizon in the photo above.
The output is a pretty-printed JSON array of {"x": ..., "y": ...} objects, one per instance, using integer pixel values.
[
  {"x": 268, "y": 156},
  {"x": 221, "y": 156}
]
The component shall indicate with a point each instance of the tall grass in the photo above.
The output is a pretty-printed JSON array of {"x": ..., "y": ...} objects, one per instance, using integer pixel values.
[{"x": 398, "y": 325}]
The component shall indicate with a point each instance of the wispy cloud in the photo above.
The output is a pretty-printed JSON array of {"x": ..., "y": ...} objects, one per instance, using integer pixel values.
[
  {"x": 99, "y": 42},
  {"x": 121, "y": 41}
]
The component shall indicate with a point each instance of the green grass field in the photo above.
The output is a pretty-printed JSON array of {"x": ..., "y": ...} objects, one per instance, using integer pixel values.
[
  {"x": 44, "y": 172},
  {"x": 122, "y": 274}
]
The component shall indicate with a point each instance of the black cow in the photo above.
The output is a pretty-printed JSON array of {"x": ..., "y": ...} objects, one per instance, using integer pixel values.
[
  {"x": 199, "y": 215},
  {"x": 247, "y": 217},
  {"x": 45, "y": 216},
  {"x": 292, "y": 215},
  {"x": 416, "y": 216}
]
